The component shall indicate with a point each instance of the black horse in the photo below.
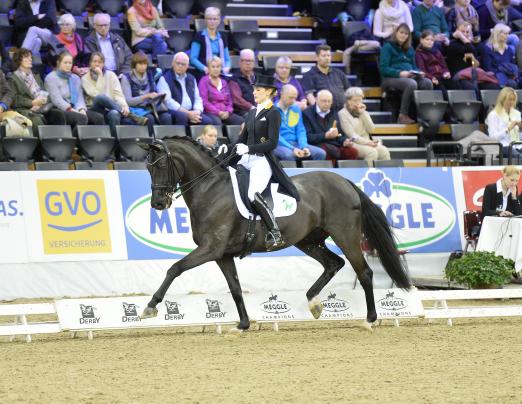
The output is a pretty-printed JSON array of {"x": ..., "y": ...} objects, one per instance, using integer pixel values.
[{"x": 330, "y": 205}]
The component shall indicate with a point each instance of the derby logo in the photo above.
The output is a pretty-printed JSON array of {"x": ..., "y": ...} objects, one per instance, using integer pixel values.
[
  {"x": 428, "y": 215},
  {"x": 173, "y": 312},
  {"x": 166, "y": 230},
  {"x": 130, "y": 313},
  {"x": 214, "y": 309},
  {"x": 88, "y": 316}
]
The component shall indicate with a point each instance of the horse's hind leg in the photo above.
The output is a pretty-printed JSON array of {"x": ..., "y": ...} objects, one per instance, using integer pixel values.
[
  {"x": 228, "y": 267},
  {"x": 331, "y": 262},
  {"x": 349, "y": 243}
]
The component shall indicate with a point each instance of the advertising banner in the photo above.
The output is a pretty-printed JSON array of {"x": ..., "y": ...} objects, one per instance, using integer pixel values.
[
  {"x": 73, "y": 216},
  {"x": 418, "y": 203},
  {"x": 12, "y": 224}
]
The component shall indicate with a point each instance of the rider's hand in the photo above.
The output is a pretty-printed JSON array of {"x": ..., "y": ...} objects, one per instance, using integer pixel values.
[{"x": 241, "y": 149}]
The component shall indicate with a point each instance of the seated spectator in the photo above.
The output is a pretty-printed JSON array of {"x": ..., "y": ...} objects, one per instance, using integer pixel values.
[
  {"x": 357, "y": 124},
  {"x": 399, "y": 70},
  {"x": 493, "y": 12},
  {"x": 293, "y": 144},
  {"x": 65, "y": 92},
  {"x": 208, "y": 138},
  {"x": 208, "y": 43},
  {"x": 103, "y": 94},
  {"x": 499, "y": 58},
  {"x": 67, "y": 37},
  {"x": 148, "y": 32},
  {"x": 389, "y": 15},
  {"x": 501, "y": 198},
  {"x": 29, "y": 97},
  {"x": 117, "y": 54},
  {"x": 140, "y": 90},
  {"x": 462, "y": 56},
  {"x": 282, "y": 77},
  {"x": 504, "y": 121},
  {"x": 38, "y": 14},
  {"x": 245, "y": 78},
  {"x": 427, "y": 16},
  {"x": 431, "y": 62},
  {"x": 182, "y": 94},
  {"x": 217, "y": 99},
  {"x": 463, "y": 11},
  {"x": 323, "y": 77},
  {"x": 321, "y": 122}
]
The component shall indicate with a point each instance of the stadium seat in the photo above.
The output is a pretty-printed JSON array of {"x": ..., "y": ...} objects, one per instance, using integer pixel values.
[
  {"x": 458, "y": 131},
  {"x": 245, "y": 33},
  {"x": 51, "y": 165},
  {"x": 6, "y": 30},
  {"x": 327, "y": 10},
  {"x": 317, "y": 164},
  {"x": 489, "y": 98},
  {"x": 88, "y": 165},
  {"x": 358, "y": 9},
  {"x": 431, "y": 106},
  {"x": 111, "y": 7},
  {"x": 352, "y": 164},
  {"x": 388, "y": 163},
  {"x": 203, "y": 4},
  {"x": 350, "y": 27},
  {"x": 96, "y": 142},
  {"x": 13, "y": 166},
  {"x": 288, "y": 163},
  {"x": 519, "y": 99},
  {"x": 18, "y": 149},
  {"x": 165, "y": 62},
  {"x": 130, "y": 165},
  {"x": 195, "y": 130},
  {"x": 74, "y": 7},
  {"x": 464, "y": 104},
  {"x": 128, "y": 137},
  {"x": 82, "y": 25},
  {"x": 233, "y": 132},
  {"x": 6, "y": 6},
  {"x": 180, "y": 34},
  {"x": 57, "y": 142},
  {"x": 200, "y": 25},
  {"x": 269, "y": 64},
  {"x": 180, "y": 9},
  {"x": 163, "y": 131}
]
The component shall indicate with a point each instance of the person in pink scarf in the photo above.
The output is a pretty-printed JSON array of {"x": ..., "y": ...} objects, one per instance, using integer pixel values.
[{"x": 148, "y": 32}]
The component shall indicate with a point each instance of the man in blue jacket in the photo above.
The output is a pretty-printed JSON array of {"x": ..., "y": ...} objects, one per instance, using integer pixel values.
[{"x": 293, "y": 143}]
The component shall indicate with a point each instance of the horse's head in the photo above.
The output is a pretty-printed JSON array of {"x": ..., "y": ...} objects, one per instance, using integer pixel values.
[{"x": 164, "y": 174}]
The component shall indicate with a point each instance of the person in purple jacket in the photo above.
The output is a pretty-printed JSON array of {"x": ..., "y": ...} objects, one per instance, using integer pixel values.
[{"x": 282, "y": 77}]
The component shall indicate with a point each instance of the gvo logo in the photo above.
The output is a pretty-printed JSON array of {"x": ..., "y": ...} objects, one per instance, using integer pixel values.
[
  {"x": 74, "y": 216},
  {"x": 166, "y": 230},
  {"x": 427, "y": 214}
]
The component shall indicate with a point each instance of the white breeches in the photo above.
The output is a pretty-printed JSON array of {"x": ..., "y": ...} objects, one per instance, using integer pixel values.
[{"x": 260, "y": 173}]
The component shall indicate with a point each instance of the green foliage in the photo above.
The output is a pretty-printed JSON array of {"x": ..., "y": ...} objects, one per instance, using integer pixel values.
[{"x": 480, "y": 268}]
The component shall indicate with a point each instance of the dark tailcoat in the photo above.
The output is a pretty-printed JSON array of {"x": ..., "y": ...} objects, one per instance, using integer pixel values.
[
  {"x": 261, "y": 134},
  {"x": 492, "y": 199}
]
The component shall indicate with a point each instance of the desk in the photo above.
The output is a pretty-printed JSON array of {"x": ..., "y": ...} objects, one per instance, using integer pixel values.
[{"x": 503, "y": 236}]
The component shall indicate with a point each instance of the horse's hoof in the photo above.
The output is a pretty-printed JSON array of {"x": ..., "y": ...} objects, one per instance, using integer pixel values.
[
  {"x": 149, "y": 312},
  {"x": 235, "y": 331},
  {"x": 316, "y": 307},
  {"x": 366, "y": 325}
]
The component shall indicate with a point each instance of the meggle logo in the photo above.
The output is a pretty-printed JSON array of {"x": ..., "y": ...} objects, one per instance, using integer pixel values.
[
  {"x": 74, "y": 216},
  {"x": 409, "y": 207},
  {"x": 165, "y": 230}
]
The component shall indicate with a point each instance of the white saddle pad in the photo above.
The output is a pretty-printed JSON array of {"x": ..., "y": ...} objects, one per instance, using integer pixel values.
[{"x": 284, "y": 205}]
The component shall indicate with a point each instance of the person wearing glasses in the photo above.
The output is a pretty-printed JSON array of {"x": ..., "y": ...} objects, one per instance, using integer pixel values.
[
  {"x": 116, "y": 52},
  {"x": 245, "y": 79}
]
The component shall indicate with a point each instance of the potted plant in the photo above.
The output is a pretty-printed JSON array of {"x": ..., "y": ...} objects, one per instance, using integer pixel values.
[{"x": 480, "y": 269}]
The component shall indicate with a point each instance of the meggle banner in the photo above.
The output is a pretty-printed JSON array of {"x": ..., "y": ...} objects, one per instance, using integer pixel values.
[
  {"x": 418, "y": 203},
  {"x": 12, "y": 224},
  {"x": 73, "y": 215}
]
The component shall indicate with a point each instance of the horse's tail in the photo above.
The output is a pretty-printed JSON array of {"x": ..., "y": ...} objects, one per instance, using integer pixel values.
[{"x": 379, "y": 234}]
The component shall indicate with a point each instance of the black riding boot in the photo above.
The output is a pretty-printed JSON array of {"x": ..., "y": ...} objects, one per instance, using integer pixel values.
[{"x": 273, "y": 239}]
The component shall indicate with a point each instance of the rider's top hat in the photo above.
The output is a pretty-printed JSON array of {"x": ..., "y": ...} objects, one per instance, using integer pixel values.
[{"x": 265, "y": 81}]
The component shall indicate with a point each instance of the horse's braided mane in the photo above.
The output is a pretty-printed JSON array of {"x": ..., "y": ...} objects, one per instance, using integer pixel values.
[{"x": 197, "y": 144}]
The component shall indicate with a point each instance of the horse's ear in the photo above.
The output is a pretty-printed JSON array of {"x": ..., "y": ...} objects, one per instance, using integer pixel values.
[{"x": 144, "y": 146}]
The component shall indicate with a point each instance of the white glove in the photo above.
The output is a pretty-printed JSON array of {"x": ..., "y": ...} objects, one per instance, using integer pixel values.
[
  {"x": 241, "y": 149},
  {"x": 223, "y": 149}
]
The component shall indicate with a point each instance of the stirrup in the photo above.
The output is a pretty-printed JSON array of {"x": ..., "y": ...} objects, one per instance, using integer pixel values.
[{"x": 273, "y": 240}]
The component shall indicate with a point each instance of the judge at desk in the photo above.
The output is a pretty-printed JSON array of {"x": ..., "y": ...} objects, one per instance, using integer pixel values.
[{"x": 501, "y": 198}]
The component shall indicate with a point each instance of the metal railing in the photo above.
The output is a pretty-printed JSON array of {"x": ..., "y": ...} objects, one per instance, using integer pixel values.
[
  {"x": 430, "y": 151},
  {"x": 469, "y": 153},
  {"x": 510, "y": 151}
]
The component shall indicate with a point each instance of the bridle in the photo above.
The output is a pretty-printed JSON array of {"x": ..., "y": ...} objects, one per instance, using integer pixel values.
[{"x": 172, "y": 189}]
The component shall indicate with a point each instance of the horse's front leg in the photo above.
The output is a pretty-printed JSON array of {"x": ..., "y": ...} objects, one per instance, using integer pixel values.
[
  {"x": 228, "y": 267},
  {"x": 197, "y": 257}
]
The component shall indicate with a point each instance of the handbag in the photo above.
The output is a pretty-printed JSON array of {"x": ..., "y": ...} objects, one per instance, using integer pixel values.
[{"x": 16, "y": 124}]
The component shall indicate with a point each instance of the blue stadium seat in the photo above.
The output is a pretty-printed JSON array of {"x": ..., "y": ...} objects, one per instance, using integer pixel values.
[
  {"x": 129, "y": 137},
  {"x": 74, "y": 7},
  {"x": 163, "y": 131},
  {"x": 245, "y": 33},
  {"x": 57, "y": 142},
  {"x": 96, "y": 142},
  {"x": 180, "y": 34},
  {"x": 180, "y": 9}
]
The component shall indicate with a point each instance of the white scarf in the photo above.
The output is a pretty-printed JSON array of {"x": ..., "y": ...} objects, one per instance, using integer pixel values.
[{"x": 392, "y": 14}]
